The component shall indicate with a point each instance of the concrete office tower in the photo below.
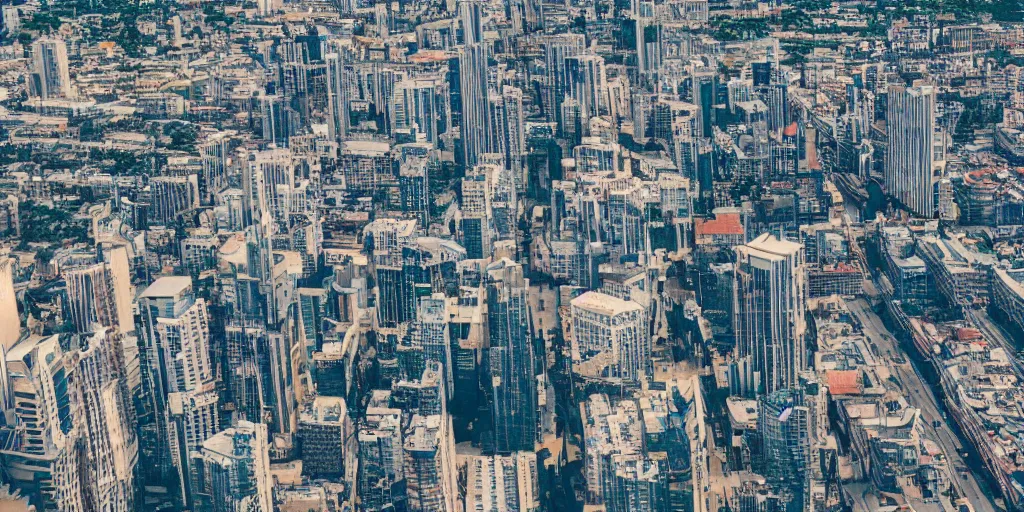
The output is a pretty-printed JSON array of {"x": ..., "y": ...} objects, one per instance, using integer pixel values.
[
  {"x": 784, "y": 429},
  {"x": 587, "y": 85},
  {"x": 507, "y": 118},
  {"x": 107, "y": 423},
  {"x": 9, "y": 318},
  {"x": 338, "y": 78},
  {"x": 422, "y": 103},
  {"x": 909, "y": 161},
  {"x": 40, "y": 458},
  {"x": 503, "y": 483},
  {"x": 610, "y": 339},
  {"x": 326, "y": 439},
  {"x": 174, "y": 362},
  {"x": 476, "y": 228},
  {"x": 431, "y": 334},
  {"x": 511, "y": 355},
  {"x": 233, "y": 471},
  {"x": 429, "y": 465},
  {"x": 91, "y": 298},
  {"x": 367, "y": 165},
  {"x": 557, "y": 48},
  {"x": 50, "y": 77},
  {"x": 215, "y": 152},
  {"x": 172, "y": 196},
  {"x": 192, "y": 418},
  {"x": 769, "y": 309},
  {"x": 476, "y": 130},
  {"x": 381, "y": 483}
]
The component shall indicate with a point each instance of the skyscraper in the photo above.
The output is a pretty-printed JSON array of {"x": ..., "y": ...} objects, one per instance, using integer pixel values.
[
  {"x": 785, "y": 435},
  {"x": 326, "y": 439},
  {"x": 430, "y": 464},
  {"x": 381, "y": 460},
  {"x": 557, "y": 48},
  {"x": 769, "y": 309},
  {"x": 610, "y": 338},
  {"x": 107, "y": 423},
  {"x": 512, "y": 363},
  {"x": 233, "y": 471},
  {"x": 909, "y": 161},
  {"x": 50, "y": 77},
  {"x": 337, "y": 94},
  {"x": 91, "y": 301},
  {"x": 477, "y": 131},
  {"x": 587, "y": 85},
  {"x": 179, "y": 406},
  {"x": 431, "y": 334}
]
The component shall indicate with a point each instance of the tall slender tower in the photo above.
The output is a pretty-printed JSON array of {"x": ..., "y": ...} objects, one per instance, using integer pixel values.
[
  {"x": 769, "y": 308},
  {"x": 513, "y": 376},
  {"x": 909, "y": 162},
  {"x": 337, "y": 95},
  {"x": 108, "y": 425},
  {"x": 477, "y": 129}
]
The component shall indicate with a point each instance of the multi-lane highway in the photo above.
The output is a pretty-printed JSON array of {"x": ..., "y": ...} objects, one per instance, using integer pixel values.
[{"x": 920, "y": 395}]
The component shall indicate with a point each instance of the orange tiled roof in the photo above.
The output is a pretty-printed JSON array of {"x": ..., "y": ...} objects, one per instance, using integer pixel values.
[
  {"x": 844, "y": 382},
  {"x": 723, "y": 224}
]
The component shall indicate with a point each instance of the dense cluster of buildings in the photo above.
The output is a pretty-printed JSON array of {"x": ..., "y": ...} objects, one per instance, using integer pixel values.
[{"x": 495, "y": 256}]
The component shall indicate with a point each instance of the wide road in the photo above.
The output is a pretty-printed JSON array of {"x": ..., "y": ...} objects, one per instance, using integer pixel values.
[{"x": 920, "y": 395}]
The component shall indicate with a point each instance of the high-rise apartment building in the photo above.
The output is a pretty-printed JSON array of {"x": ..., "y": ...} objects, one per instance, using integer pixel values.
[
  {"x": 91, "y": 301},
  {"x": 909, "y": 160},
  {"x": 326, "y": 439},
  {"x": 232, "y": 471},
  {"x": 179, "y": 405},
  {"x": 172, "y": 196},
  {"x": 610, "y": 338},
  {"x": 39, "y": 456},
  {"x": 429, "y": 464},
  {"x": 769, "y": 310},
  {"x": 511, "y": 355},
  {"x": 381, "y": 481},
  {"x": 107, "y": 424}
]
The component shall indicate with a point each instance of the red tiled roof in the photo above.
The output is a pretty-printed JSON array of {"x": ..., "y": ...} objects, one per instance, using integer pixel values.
[
  {"x": 790, "y": 130},
  {"x": 844, "y": 382},
  {"x": 968, "y": 333},
  {"x": 723, "y": 224}
]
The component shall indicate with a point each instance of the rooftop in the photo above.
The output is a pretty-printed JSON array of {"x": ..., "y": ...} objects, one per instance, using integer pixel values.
[
  {"x": 168, "y": 286},
  {"x": 604, "y": 304}
]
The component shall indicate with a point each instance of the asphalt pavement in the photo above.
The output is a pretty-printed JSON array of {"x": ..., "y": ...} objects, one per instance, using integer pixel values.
[{"x": 920, "y": 394}]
